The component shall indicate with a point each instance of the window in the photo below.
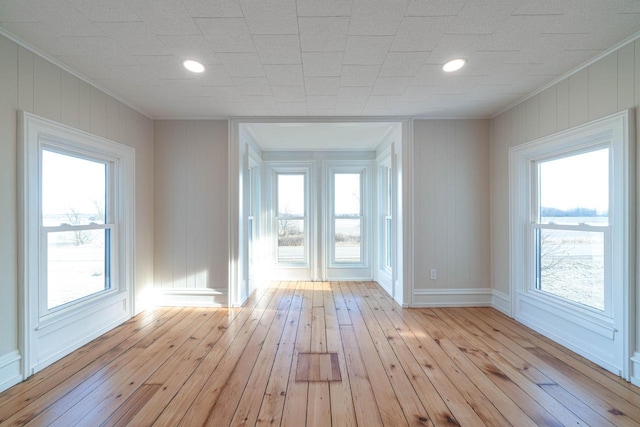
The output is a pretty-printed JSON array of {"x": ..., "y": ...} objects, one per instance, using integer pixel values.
[
  {"x": 347, "y": 218},
  {"x": 571, "y": 227},
  {"x": 388, "y": 223},
  {"x": 77, "y": 226},
  {"x": 571, "y": 239},
  {"x": 291, "y": 218},
  {"x": 77, "y": 238}
]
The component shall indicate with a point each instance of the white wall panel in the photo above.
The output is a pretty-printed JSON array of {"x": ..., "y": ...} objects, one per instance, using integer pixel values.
[
  {"x": 46, "y": 89},
  {"x": 451, "y": 208},
  {"x": 8, "y": 219},
  {"x": 191, "y": 249},
  {"x": 69, "y": 100}
]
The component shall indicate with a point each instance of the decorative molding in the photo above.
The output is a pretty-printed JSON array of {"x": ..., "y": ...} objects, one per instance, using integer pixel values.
[
  {"x": 192, "y": 297},
  {"x": 501, "y": 302},
  {"x": 635, "y": 369},
  {"x": 69, "y": 70},
  {"x": 570, "y": 73},
  {"x": 10, "y": 374},
  {"x": 469, "y": 297}
]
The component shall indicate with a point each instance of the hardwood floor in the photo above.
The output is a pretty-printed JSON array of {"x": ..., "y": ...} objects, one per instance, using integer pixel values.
[{"x": 378, "y": 365}]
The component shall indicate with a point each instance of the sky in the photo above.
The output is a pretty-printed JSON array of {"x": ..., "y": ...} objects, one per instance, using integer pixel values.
[{"x": 576, "y": 181}]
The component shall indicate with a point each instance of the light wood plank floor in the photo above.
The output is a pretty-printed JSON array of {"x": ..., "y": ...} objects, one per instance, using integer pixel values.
[{"x": 389, "y": 366}]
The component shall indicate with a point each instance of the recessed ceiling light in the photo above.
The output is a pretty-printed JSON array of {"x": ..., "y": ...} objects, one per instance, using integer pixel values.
[
  {"x": 193, "y": 66},
  {"x": 454, "y": 65}
]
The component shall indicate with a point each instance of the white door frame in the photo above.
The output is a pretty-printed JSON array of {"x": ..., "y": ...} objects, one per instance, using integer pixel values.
[{"x": 403, "y": 269}]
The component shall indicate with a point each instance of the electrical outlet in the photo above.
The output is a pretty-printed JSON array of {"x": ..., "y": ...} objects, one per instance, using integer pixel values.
[{"x": 434, "y": 274}]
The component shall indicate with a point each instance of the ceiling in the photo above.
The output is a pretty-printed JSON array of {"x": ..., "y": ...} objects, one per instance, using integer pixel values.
[
  {"x": 317, "y": 136},
  {"x": 320, "y": 57}
]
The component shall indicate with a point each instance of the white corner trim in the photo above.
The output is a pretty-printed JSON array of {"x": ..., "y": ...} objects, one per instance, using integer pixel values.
[
  {"x": 501, "y": 302},
  {"x": 632, "y": 38},
  {"x": 69, "y": 70},
  {"x": 468, "y": 297},
  {"x": 635, "y": 369},
  {"x": 191, "y": 297},
  {"x": 10, "y": 374}
]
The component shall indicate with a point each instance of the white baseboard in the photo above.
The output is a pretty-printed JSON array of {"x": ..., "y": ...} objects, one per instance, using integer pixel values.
[
  {"x": 180, "y": 297},
  {"x": 635, "y": 369},
  {"x": 501, "y": 302},
  {"x": 452, "y": 297},
  {"x": 10, "y": 374}
]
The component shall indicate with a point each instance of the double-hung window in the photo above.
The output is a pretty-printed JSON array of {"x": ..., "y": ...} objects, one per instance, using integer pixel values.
[{"x": 571, "y": 227}]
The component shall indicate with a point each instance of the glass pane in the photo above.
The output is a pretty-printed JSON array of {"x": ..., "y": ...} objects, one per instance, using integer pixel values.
[
  {"x": 290, "y": 194},
  {"x": 571, "y": 265},
  {"x": 73, "y": 190},
  {"x": 347, "y": 193},
  {"x": 291, "y": 240},
  {"x": 77, "y": 265},
  {"x": 347, "y": 241},
  {"x": 387, "y": 238},
  {"x": 575, "y": 189}
]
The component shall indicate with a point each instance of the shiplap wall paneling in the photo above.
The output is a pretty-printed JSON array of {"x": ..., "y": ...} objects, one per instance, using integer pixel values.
[
  {"x": 451, "y": 208},
  {"x": 191, "y": 249},
  {"x": 8, "y": 245}
]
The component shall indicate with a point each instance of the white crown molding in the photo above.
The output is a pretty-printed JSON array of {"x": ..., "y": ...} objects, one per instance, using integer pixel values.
[
  {"x": 69, "y": 70},
  {"x": 568, "y": 74}
]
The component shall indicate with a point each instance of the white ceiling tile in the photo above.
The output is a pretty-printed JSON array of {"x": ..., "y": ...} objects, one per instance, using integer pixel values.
[
  {"x": 124, "y": 30},
  {"x": 367, "y": 50},
  {"x": 215, "y": 75},
  {"x": 289, "y": 93},
  {"x": 403, "y": 63},
  {"x": 284, "y": 75},
  {"x": 226, "y": 34},
  {"x": 99, "y": 10},
  {"x": 349, "y": 108},
  {"x": 165, "y": 66},
  {"x": 261, "y": 102},
  {"x": 88, "y": 65},
  {"x": 134, "y": 74},
  {"x": 321, "y": 85},
  {"x": 384, "y": 101},
  {"x": 253, "y": 85},
  {"x": 242, "y": 64},
  {"x": 391, "y": 85},
  {"x": 323, "y": 34},
  {"x": 322, "y": 64},
  {"x": 278, "y": 49},
  {"x": 324, "y": 8},
  {"x": 434, "y": 7},
  {"x": 457, "y": 45},
  {"x": 353, "y": 94},
  {"x": 428, "y": 75},
  {"x": 225, "y": 94},
  {"x": 190, "y": 47},
  {"x": 319, "y": 112},
  {"x": 213, "y": 9},
  {"x": 292, "y": 108},
  {"x": 420, "y": 33},
  {"x": 376, "y": 17},
  {"x": 272, "y": 17},
  {"x": 481, "y": 16},
  {"x": 359, "y": 75}
]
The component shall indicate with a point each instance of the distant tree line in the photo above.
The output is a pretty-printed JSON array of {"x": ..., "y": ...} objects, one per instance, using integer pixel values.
[{"x": 583, "y": 212}]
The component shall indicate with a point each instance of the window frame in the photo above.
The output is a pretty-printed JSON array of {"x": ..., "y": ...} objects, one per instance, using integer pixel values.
[
  {"x": 334, "y": 217},
  {"x": 602, "y": 337},
  {"x": 536, "y": 227},
  {"x": 277, "y": 216},
  {"x": 98, "y": 312}
]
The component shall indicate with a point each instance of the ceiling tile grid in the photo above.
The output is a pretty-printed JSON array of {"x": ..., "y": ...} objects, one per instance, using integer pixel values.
[{"x": 309, "y": 57}]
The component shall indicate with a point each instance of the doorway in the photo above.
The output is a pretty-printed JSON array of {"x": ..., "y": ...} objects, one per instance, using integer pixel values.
[{"x": 310, "y": 203}]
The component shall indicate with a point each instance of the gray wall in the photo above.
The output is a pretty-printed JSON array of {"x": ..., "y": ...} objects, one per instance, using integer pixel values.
[
  {"x": 30, "y": 83},
  {"x": 451, "y": 204},
  {"x": 191, "y": 204}
]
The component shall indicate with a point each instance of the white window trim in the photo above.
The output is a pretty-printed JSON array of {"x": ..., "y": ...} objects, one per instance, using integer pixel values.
[
  {"x": 616, "y": 130},
  {"x": 103, "y": 310}
]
